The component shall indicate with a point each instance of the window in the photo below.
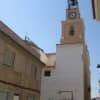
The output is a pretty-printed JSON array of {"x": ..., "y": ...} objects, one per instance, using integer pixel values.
[
  {"x": 31, "y": 98},
  {"x": 47, "y": 73},
  {"x": 9, "y": 58},
  {"x": 89, "y": 89},
  {"x": 34, "y": 72},
  {"x": 5, "y": 95},
  {"x": 71, "y": 33}
]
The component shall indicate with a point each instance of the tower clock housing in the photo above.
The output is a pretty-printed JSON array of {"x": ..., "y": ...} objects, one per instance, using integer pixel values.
[{"x": 72, "y": 27}]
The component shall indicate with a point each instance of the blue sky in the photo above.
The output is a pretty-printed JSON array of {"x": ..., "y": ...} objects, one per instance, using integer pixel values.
[{"x": 41, "y": 21}]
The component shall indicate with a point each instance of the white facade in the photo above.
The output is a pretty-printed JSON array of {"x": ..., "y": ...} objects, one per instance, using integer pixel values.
[{"x": 67, "y": 78}]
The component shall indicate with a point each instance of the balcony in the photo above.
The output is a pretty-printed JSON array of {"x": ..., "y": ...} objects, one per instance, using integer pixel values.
[{"x": 20, "y": 80}]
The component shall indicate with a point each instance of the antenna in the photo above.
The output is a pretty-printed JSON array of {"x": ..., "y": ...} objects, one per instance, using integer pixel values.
[{"x": 27, "y": 38}]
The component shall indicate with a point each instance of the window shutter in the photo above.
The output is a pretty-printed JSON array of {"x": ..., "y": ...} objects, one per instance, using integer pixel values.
[
  {"x": 34, "y": 72},
  {"x": 6, "y": 95},
  {"x": 3, "y": 95},
  {"x": 31, "y": 98},
  {"x": 9, "y": 96},
  {"x": 9, "y": 58}
]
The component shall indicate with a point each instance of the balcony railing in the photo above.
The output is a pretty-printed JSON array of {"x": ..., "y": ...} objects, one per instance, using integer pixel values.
[{"x": 11, "y": 77}]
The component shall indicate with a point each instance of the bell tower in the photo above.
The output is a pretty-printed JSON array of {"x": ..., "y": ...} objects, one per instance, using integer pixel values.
[
  {"x": 71, "y": 72},
  {"x": 72, "y": 27}
]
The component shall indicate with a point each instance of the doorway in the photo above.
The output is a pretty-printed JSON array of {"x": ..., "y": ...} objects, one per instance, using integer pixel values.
[
  {"x": 16, "y": 97},
  {"x": 66, "y": 95}
]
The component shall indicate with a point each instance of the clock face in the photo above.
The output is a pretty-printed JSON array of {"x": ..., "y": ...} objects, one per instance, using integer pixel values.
[{"x": 72, "y": 15}]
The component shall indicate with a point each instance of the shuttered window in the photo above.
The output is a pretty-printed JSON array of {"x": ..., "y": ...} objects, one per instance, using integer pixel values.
[
  {"x": 3, "y": 95},
  {"x": 31, "y": 98},
  {"x": 6, "y": 96},
  {"x": 9, "y": 58},
  {"x": 34, "y": 72}
]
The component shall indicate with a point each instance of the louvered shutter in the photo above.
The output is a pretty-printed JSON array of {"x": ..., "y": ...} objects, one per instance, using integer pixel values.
[{"x": 9, "y": 58}]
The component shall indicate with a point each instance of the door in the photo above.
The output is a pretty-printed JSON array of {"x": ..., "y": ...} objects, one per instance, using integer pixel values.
[
  {"x": 66, "y": 95},
  {"x": 16, "y": 97}
]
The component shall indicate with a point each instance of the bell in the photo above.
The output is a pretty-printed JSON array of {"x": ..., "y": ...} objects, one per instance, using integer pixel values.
[{"x": 73, "y": 2}]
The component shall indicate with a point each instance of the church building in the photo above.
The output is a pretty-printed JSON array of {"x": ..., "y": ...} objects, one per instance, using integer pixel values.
[
  {"x": 28, "y": 73},
  {"x": 67, "y": 75}
]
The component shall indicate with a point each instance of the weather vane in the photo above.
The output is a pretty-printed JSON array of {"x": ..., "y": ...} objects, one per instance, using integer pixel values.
[{"x": 72, "y": 4}]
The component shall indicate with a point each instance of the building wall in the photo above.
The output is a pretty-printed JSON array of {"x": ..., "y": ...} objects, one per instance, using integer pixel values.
[
  {"x": 87, "y": 74},
  {"x": 96, "y": 9},
  {"x": 68, "y": 75},
  {"x": 19, "y": 77},
  {"x": 51, "y": 59}
]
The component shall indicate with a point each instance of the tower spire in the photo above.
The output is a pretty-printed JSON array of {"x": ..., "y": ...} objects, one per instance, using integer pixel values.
[{"x": 72, "y": 4}]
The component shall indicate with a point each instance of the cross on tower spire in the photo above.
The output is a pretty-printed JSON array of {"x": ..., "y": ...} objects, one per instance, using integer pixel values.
[{"x": 72, "y": 4}]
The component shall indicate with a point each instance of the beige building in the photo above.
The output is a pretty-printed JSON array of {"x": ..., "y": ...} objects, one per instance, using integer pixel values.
[
  {"x": 96, "y": 9},
  {"x": 21, "y": 62}
]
